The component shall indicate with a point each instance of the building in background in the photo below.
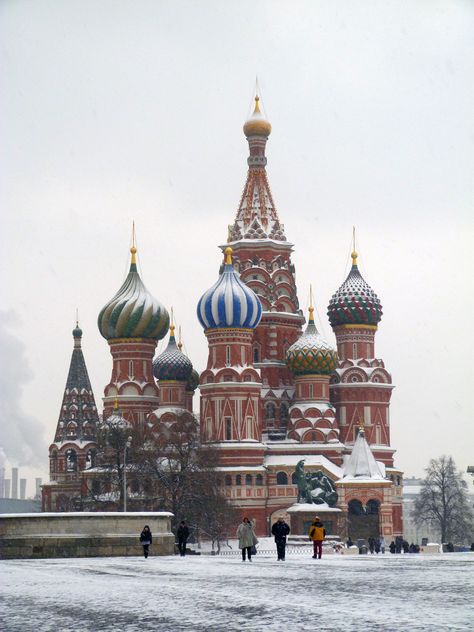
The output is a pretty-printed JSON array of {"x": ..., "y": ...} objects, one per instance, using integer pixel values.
[{"x": 14, "y": 501}]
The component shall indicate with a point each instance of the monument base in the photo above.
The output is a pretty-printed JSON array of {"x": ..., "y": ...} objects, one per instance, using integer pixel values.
[{"x": 302, "y": 516}]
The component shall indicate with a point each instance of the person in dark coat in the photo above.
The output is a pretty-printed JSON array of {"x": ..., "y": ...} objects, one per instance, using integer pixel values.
[
  {"x": 182, "y": 535},
  {"x": 280, "y": 530},
  {"x": 371, "y": 542},
  {"x": 392, "y": 547},
  {"x": 349, "y": 542},
  {"x": 145, "y": 540}
]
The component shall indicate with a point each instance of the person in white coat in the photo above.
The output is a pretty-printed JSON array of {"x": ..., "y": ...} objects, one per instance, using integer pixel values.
[{"x": 247, "y": 538}]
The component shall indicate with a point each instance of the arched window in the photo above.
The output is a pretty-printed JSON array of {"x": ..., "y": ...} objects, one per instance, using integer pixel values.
[
  {"x": 259, "y": 479},
  {"x": 282, "y": 478},
  {"x": 238, "y": 479},
  {"x": 53, "y": 463},
  {"x": 228, "y": 480},
  {"x": 71, "y": 460},
  {"x": 248, "y": 479},
  {"x": 284, "y": 411},
  {"x": 355, "y": 507},
  {"x": 293, "y": 479},
  {"x": 90, "y": 459},
  {"x": 372, "y": 507},
  {"x": 270, "y": 411}
]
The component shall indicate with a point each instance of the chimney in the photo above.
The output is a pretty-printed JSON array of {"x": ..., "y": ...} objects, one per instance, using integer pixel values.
[
  {"x": 6, "y": 487},
  {"x": 22, "y": 488},
  {"x": 2, "y": 483},
  {"x": 14, "y": 482}
]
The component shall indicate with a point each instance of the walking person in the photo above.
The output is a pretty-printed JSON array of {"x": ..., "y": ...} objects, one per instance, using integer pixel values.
[
  {"x": 145, "y": 540},
  {"x": 183, "y": 535},
  {"x": 317, "y": 533},
  {"x": 247, "y": 538},
  {"x": 280, "y": 530},
  {"x": 382, "y": 543}
]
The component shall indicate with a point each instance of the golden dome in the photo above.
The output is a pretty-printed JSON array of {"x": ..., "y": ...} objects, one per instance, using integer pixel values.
[{"x": 257, "y": 125}]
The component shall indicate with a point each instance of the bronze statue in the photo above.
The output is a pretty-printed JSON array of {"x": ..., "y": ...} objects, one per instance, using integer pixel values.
[{"x": 314, "y": 487}]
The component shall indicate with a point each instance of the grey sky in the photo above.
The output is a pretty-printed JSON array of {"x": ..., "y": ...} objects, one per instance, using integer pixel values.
[{"x": 121, "y": 110}]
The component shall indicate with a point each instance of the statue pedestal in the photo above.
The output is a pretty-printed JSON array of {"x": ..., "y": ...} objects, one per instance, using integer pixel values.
[{"x": 303, "y": 514}]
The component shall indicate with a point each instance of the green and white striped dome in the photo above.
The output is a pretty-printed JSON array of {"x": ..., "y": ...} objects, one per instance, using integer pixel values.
[{"x": 133, "y": 312}]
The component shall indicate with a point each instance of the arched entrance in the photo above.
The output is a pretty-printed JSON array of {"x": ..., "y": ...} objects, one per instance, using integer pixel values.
[{"x": 363, "y": 522}]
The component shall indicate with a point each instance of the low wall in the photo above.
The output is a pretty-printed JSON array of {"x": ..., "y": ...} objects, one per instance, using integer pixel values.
[{"x": 83, "y": 534}]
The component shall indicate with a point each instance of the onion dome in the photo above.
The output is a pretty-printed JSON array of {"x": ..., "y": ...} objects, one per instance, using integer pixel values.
[
  {"x": 193, "y": 381},
  {"x": 133, "y": 312},
  {"x": 172, "y": 364},
  {"x": 116, "y": 421},
  {"x": 311, "y": 354},
  {"x": 355, "y": 302},
  {"x": 229, "y": 302},
  {"x": 77, "y": 331},
  {"x": 257, "y": 124}
]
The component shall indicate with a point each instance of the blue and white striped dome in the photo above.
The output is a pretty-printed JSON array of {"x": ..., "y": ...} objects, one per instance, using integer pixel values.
[{"x": 229, "y": 302}]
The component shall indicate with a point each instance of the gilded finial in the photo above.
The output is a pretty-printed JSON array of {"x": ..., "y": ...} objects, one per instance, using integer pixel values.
[
  {"x": 133, "y": 249},
  {"x": 354, "y": 253},
  {"x": 361, "y": 423},
  {"x": 77, "y": 317},
  {"x": 180, "y": 344},
  {"x": 172, "y": 327},
  {"x": 116, "y": 403},
  {"x": 311, "y": 308},
  {"x": 228, "y": 255},
  {"x": 257, "y": 107}
]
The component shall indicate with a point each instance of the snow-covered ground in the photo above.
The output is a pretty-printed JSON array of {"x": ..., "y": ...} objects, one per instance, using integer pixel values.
[{"x": 203, "y": 593}]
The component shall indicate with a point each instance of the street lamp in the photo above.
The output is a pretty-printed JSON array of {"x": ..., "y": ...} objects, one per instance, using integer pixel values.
[{"x": 127, "y": 445}]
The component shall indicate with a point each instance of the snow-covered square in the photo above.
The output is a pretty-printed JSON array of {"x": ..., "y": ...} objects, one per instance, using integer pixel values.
[{"x": 221, "y": 593}]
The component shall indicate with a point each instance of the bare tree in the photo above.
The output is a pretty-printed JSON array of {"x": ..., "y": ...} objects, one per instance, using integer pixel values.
[
  {"x": 114, "y": 456},
  {"x": 443, "y": 502}
]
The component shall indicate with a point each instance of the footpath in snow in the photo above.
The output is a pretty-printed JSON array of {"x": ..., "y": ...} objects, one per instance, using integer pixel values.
[{"x": 221, "y": 593}]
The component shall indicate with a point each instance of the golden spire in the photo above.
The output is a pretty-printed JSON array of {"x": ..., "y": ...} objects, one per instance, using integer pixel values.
[
  {"x": 257, "y": 107},
  {"x": 133, "y": 249},
  {"x": 361, "y": 423},
  {"x": 77, "y": 316},
  {"x": 311, "y": 308},
  {"x": 354, "y": 253},
  {"x": 172, "y": 327},
  {"x": 228, "y": 255},
  {"x": 180, "y": 344}
]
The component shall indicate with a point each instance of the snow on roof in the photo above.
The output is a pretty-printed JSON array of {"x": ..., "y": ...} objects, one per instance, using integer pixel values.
[
  {"x": 362, "y": 464},
  {"x": 80, "y": 443},
  {"x": 90, "y": 514},
  {"x": 290, "y": 460},
  {"x": 240, "y": 468},
  {"x": 320, "y": 405},
  {"x": 311, "y": 508}
]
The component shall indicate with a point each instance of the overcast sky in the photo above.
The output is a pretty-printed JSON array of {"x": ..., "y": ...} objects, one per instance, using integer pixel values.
[{"x": 114, "y": 111}]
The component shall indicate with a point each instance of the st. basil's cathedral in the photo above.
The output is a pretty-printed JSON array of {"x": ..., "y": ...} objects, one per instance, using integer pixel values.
[{"x": 301, "y": 428}]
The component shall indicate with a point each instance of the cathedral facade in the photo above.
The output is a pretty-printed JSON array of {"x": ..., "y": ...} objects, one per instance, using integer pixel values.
[{"x": 302, "y": 428}]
